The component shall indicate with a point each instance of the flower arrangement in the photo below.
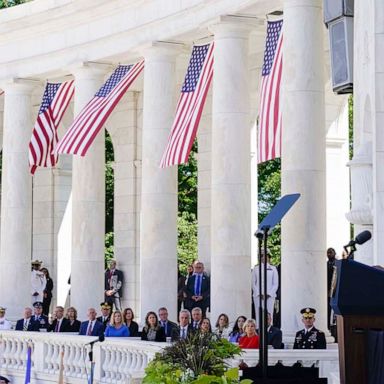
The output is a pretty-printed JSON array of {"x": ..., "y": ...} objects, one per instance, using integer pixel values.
[{"x": 199, "y": 359}]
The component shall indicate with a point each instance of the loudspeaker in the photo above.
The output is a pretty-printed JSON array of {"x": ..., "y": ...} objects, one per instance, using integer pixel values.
[
  {"x": 341, "y": 50},
  {"x": 333, "y": 9}
]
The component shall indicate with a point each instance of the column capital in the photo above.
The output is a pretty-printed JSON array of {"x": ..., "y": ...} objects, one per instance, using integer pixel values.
[
  {"x": 162, "y": 50},
  {"x": 234, "y": 26},
  {"x": 90, "y": 70},
  {"x": 19, "y": 86}
]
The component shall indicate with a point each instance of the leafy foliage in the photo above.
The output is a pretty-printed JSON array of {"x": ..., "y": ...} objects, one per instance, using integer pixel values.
[
  {"x": 187, "y": 240},
  {"x": 200, "y": 359},
  {"x": 11, "y": 3},
  {"x": 269, "y": 192}
]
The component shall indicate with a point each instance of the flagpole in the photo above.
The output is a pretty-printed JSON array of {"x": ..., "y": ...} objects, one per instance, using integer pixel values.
[{"x": 32, "y": 218}]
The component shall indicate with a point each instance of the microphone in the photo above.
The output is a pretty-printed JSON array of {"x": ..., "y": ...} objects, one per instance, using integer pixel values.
[
  {"x": 100, "y": 339},
  {"x": 360, "y": 239}
]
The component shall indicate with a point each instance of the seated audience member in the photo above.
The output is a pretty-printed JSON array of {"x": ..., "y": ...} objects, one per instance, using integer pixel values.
[
  {"x": 309, "y": 337},
  {"x": 197, "y": 317},
  {"x": 152, "y": 331},
  {"x": 237, "y": 330},
  {"x": 184, "y": 329},
  {"x": 105, "y": 317},
  {"x": 250, "y": 340},
  {"x": 222, "y": 329},
  {"x": 4, "y": 323},
  {"x": 205, "y": 327},
  {"x": 59, "y": 323},
  {"x": 116, "y": 327},
  {"x": 27, "y": 323},
  {"x": 73, "y": 323},
  {"x": 91, "y": 327},
  {"x": 39, "y": 317},
  {"x": 275, "y": 336},
  {"x": 133, "y": 327},
  {"x": 165, "y": 323}
]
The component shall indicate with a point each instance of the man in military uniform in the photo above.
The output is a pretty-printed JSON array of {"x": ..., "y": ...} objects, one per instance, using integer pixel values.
[
  {"x": 4, "y": 323},
  {"x": 38, "y": 317},
  {"x": 309, "y": 337},
  {"x": 105, "y": 317}
]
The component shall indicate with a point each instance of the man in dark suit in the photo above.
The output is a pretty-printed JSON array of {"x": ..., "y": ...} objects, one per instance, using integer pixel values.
[
  {"x": 39, "y": 317},
  {"x": 60, "y": 323},
  {"x": 309, "y": 337},
  {"x": 198, "y": 289},
  {"x": 105, "y": 317},
  {"x": 275, "y": 336},
  {"x": 113, "y": 285},
  {"x": 91, "y": 327},
  {"x": 27, "y": 323},
  {"x": 167, "y": 325},
  {"x": 183, "y": 330}
]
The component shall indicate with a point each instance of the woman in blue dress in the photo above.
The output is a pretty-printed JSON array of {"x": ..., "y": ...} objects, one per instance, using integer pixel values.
[{"x": 116, "y": 327}]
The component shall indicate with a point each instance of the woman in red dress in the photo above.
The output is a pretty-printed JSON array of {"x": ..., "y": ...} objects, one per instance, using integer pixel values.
[{"x": 251, "y": 339}]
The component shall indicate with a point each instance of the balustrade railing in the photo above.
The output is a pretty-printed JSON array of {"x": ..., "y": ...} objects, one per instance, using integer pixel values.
[{"x": 117, "y": 360}]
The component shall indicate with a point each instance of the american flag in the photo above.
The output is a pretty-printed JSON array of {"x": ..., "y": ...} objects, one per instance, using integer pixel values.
[
  {"x": 86, "y": 126},
  {"x": 190, "y": 106},
  {"x": 44, "y": 138},
  {"x": 269, "y": 134}
]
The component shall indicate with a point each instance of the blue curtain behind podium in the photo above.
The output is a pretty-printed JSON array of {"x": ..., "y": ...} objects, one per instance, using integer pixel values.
[{"x": 375, "y": 357}]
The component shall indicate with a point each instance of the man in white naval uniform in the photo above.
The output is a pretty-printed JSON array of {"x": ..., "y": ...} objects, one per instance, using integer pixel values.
[
  {"x": 38, "y": 282},
  {"x": 272, "y": 286},
  {"x": 4, "y": 323}
]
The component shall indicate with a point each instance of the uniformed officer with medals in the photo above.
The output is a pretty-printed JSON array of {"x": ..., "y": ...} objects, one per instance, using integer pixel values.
[{"x": 309, "y": 337}]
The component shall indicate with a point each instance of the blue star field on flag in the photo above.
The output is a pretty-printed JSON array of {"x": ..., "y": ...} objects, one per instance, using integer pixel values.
[
  {"x": 116, "y": 76},
  {"x": 49, "y": 94},
  {"x": 194, "y": 68},
  {"x": 273, "y": 33}
]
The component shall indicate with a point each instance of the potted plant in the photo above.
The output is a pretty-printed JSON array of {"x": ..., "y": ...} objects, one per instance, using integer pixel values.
[{"x": 199, "y": 359}]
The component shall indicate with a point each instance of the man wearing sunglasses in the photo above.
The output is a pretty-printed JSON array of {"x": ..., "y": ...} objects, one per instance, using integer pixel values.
[{"x": 309, "y": 337}]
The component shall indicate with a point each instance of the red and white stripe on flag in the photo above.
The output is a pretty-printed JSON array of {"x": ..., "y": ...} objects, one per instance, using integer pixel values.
[
  {"x": 190, "y": 106},
  {"x": 56, "y": 99},
  {"x": 269, "y": 127},
  {"x": 87, "y": 124}
]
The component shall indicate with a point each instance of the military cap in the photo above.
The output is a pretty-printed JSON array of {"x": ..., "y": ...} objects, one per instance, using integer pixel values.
[
  {"x": 2, "y": 378},
  {"x": 2, "y": 309},
  {"x": 36, "y": 262},
  {"x": 105, "y": 305},
  {"x": 308, "y": 312},
  {"x": 37, "y": 304}
]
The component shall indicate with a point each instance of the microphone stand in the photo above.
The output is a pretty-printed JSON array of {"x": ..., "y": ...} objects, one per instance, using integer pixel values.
[{"x": 262, "y": 235}]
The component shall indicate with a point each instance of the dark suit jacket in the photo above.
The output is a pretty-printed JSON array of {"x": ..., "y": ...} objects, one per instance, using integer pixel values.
[
  {"x": 134, "y": 329},
  {"x": 275, "y": 337},
  {"x": 120, "y": 277},
  {"x": 32, "y": 326},
  {"x": 64, "y": 326},
  {"x": 160, "y": 335},
  {"x": 170, "y": 325},
  {"x": 205, "y": 292},
  {"x": 105, "y": 323},
  {"x": 98, "y": 328},
  {"x": 175, "y": 336}
]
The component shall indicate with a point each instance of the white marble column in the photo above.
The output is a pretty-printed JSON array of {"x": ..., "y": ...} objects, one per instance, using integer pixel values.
[
  {"x": 158, "y": 227},
  {"x": 88, "y": 205},
  {"x": 231, "y": 177},
  {"x": 16, "y": 200},
  {"x": 303, "y": 165}
]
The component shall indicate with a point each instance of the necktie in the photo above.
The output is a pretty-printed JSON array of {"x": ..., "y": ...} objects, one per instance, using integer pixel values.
[
  {"x": 57, "y": 326},
  {"x": 89, "y": 332},
  {"x": 183, "y": 333},
  {"x": 198, "y": 288},
  {"x": 196, "y": 325},
  {"x": 25, "y": 327},
  {"x": 165, "y": 327}
]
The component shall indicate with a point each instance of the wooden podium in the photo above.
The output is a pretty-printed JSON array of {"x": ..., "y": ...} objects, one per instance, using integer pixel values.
[{"x": 358, "y": 302}]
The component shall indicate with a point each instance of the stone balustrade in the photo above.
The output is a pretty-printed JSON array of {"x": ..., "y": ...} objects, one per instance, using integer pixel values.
[{"x": 117, "y": 360}]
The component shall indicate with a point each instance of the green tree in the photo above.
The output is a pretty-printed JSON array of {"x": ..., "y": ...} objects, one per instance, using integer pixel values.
[
  {"x": 269, "y": 191},
  {"x": 187, "y": 211},
  {"x": 11, "y": 3}
]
